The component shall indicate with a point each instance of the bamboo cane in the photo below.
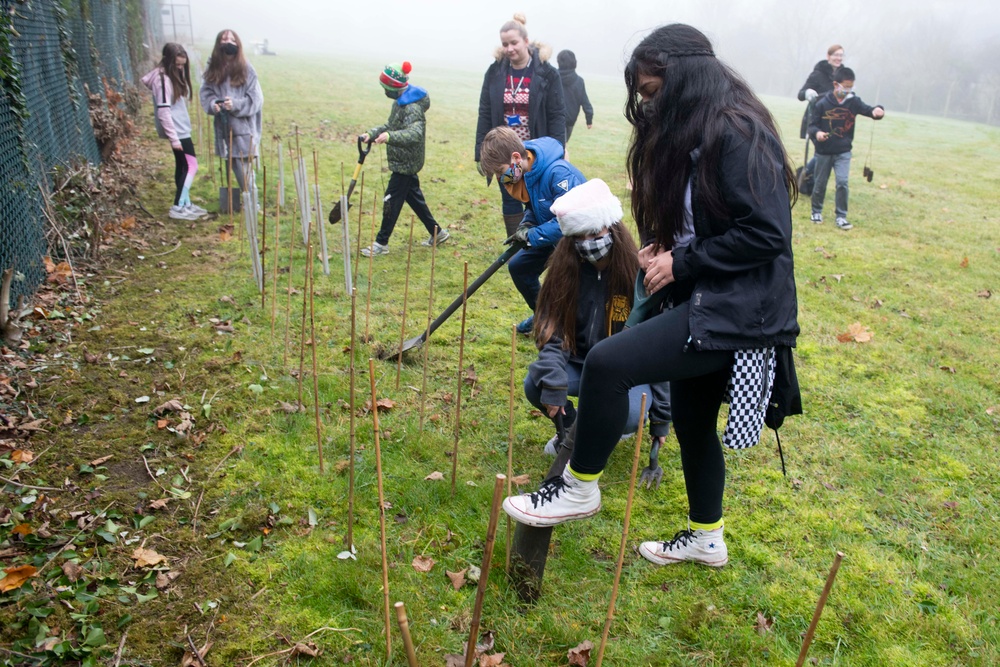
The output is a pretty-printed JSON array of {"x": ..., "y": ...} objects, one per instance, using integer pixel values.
[
  {"x": 404, "y": 630},
  {"x": 628, "y": 517},
  {"x": 458, "y": 397},
  {"x": 281, "y": 176},
  {"x": 381, "y": 511},
  {"x": 371, "y": 259},
  {"x": 288, "y": 296},
  {"x": 406, "y": 293},
  {"x": 430, "y": 311},
  {"x": 510, "y": 432},
  {"x": 491, "y": 534},
  {"x": 263, "y": 238},
  {"x": 305, "y": 306},
  {"x": 350, "y": 468},
  {"x": 819, "y": 609},
  {"x": 312, "y": 335},
  {"x": 274, "y": 265}
]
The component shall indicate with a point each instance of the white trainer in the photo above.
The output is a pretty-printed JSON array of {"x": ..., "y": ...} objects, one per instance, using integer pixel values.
[
  {"x": 442, "y": 236},
  {"x": 196, "y": 210},
  {"x": 375, "y": 249},
  {"x": 700, "y": 546},
  {"x": 559, "y": 499},
  {"x": 180, "y": 213},
  {"x": 550, "y": 446}
]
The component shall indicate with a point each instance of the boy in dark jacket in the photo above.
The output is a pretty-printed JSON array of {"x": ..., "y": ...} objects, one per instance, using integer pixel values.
[
  {"x": 574, "y": 92},
  {"x": 403, "y": 135},
  {"x": 535, "y": 173},
  {"x": 831, "y": 126}
]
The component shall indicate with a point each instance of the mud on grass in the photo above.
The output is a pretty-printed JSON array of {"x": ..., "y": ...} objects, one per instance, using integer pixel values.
[{"x": 104, "y": 472}]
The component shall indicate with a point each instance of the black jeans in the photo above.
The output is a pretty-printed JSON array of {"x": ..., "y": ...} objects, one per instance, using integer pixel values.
[
  {"x": 654, "y": 351},
  {"x": 403, "y": 188},
  {"x": 181, "y": 167}
]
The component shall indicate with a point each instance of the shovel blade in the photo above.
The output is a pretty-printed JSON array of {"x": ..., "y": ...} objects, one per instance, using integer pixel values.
[{"x": 408, "y": 345}]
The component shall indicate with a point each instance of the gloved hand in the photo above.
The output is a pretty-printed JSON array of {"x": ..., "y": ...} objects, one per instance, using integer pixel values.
[
  {"x": 811, "y": 94},
  {"x": 521, "y": 235}
]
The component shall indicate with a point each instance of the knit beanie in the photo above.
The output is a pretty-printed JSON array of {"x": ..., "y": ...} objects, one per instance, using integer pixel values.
[
  {"x": 566, "y": 59},
  {"x": 395, "y": 77},
  {"x": 587, "y": 209}
]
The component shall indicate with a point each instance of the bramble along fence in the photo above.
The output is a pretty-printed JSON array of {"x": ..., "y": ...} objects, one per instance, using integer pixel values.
[{"x": 52, "y": 52}]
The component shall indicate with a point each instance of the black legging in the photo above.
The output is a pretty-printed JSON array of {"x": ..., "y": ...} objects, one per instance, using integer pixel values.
[
  {"x": 654, "y": 351},
  {"x": 181, "y": 166}
]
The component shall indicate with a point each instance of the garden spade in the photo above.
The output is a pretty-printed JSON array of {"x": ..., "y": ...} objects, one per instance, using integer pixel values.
[{"x": 335, "y": 213}]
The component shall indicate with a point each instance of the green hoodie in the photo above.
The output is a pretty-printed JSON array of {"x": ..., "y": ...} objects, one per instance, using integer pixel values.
[{"x": 406, "y": 128}]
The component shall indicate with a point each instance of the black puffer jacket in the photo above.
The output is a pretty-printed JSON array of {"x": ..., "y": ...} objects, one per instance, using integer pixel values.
[
  {"x": 575, "y": 93},
  {"x": 546, "y": 106},
  {"x": 820, "y": 80},
  {"x": 739, "y": 269}
]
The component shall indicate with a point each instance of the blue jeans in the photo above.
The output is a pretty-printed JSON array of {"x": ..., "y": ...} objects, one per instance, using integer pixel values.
[
  {"x": 841, "y": 165},
  {"x": 573, "y": 371},
  {"x": 525, "y": 267}
]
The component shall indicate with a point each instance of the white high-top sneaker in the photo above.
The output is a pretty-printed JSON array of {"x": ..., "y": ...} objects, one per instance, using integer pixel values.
[
  {"x": 700, "y": 546},
  {"x": 559, "y": 499}
]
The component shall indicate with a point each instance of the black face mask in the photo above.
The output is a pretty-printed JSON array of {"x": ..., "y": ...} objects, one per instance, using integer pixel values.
[
  {"x": 392, "y": 94},
  {"x": 230, "y": 49}
]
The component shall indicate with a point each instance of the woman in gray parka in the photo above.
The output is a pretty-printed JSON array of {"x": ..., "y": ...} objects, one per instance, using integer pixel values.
[{"x": 231, "y": 93}]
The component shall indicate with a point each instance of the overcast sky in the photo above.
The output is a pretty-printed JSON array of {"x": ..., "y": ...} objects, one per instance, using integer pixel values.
[{"x": 761, "y": 36}]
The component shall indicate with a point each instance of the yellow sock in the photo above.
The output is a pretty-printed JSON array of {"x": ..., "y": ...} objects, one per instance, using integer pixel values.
[
  {"x": 583, "y": 477},
  {"x": 705, "y": 526}
]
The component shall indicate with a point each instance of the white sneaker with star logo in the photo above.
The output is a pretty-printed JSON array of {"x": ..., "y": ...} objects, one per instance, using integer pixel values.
[{"x": 700, "y": 546}]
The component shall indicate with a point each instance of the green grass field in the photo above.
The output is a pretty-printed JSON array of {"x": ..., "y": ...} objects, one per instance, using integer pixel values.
[{"x": 894, "y": 462}]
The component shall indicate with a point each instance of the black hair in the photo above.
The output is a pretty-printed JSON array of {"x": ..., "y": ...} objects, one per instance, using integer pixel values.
[
  {"x": 844, "y": 74},
  {"x": 566, "y": 59},
  {"x": 700, "y": 101}
]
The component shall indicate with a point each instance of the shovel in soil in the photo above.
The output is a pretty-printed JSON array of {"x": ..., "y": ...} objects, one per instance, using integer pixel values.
[
  {"x": 417, "y": 341},
  {"x": 335, "y": 213}
]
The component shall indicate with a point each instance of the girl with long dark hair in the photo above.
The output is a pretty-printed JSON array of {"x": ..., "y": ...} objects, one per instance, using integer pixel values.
[
  {"x": 231, "y": 93},
  {"x": 712, "y": 191},
  {"x": 586, "y": 297},
  {"x": 170, "y": 83}
]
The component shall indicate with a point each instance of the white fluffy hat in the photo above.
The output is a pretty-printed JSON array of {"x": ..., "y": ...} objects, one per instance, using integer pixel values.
[{"x": 587, "y": 209}]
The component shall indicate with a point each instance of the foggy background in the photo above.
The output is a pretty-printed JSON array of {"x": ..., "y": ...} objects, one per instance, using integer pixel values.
[{"x": 929, "y": 57}]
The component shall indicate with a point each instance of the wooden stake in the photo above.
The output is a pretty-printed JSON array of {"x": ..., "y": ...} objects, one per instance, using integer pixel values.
[
  {"x": 458, "y": 397},
  {"x": 430, "y": 312},
  {"x": 404, "y": 629},
  {"x": 371, "y": 259},
  {"x": 819, "y": 609},
  {"x": 288, "y": 296},
  {"x": 406, "y": 293},
  {"x": 274, "y": 265},
  {"x": 628, "y": 517},
  {"x": 263, "y": 239},
  {"x": 350, "y": 467},
  {"x": 510, "y": 431},
  {"x": 491, "y": 534},
  {"x": 305, "y": 306},
  {"x": 381, "y": 511},
  {"x": 312, "y": 336}
]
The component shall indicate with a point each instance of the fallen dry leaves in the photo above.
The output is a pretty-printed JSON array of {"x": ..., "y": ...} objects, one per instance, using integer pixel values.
[
  {"x": 580, "y": 655},
  {"x": 435, "y": 476},
  {"x": 15, "y": 577},
  {"x": 457, "y": 578},
  {"x": 147, "y": 557},
  {"x": 423, "y": 563},
  {"x": 857, "y": 333}
]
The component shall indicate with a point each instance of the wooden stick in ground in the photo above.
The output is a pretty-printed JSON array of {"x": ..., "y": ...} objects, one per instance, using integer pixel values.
[
  {"x": 274, "y": 265},
  {"x": 350, "y": 464},
  {"x": 510, "y": 431},
  {"x": 312, "y": 336},
  {"x": 458, "y": 396},
  {"x": 381, "y": 511},
  {"x": 288, "y": 298},
  {"x": 491, "y": 534},
  {"x": 404, "y": 629},
  {"x": 628, "y": 517},
  {"x": 305, "y": 306},
  {"x": 819, "y": 609},
  {"x": 406, "y": 293},
  {"x": 430, "y": 312},
  {"x": 263, "y": 239},
  {"x": 357, "y": 250},
  {"x": 371, "y": 258}
]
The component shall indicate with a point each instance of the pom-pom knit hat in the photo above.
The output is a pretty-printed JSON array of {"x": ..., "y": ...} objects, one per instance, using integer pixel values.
[
  {"x": 395, "y": 77},
  {"x": 587, "y": 209}
]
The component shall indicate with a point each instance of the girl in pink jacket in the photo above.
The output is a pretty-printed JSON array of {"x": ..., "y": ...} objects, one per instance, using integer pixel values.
[{"x": 170, "y": 84}]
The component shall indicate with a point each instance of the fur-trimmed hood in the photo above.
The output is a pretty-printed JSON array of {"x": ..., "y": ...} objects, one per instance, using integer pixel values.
[{"x": 538, "y": 50}]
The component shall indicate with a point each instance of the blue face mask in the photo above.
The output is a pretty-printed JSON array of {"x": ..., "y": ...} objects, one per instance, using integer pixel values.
[
  {"x": 596, "y": 249},
  {"x": 511, "y": 175}
]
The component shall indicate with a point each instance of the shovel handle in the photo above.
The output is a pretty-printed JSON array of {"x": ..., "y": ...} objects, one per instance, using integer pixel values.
[{"x": 363, "y": 152}]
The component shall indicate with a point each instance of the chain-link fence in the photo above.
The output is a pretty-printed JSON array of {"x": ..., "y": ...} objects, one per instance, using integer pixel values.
[{"x": 48, "y": 51}]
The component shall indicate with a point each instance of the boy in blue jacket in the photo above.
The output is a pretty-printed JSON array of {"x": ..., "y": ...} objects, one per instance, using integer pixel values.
[
  {"x": 535, "y": 173},
  {"x": 831, "y": 126}
]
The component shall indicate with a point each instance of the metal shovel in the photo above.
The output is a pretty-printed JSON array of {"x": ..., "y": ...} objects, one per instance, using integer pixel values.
[
  {"x": 335, "y": 214},
  {"x": 417, "y": 341}
]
